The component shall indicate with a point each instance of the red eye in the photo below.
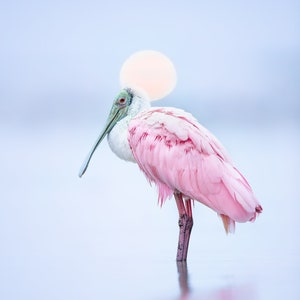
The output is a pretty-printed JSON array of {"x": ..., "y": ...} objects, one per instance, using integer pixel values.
[{"x": 122, "y": 101}]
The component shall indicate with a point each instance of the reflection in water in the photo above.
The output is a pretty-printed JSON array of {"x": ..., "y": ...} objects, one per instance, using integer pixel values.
[
  {"x": 183, "y": 279},
  {"x": 228, "y": 292}
]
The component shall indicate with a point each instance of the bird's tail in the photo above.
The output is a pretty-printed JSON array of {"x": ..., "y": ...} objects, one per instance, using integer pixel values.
[{"x": 228, "y": 223}]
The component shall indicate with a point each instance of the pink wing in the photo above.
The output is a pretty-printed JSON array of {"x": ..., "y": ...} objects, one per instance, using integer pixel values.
[{"x": 177, "y": 153}]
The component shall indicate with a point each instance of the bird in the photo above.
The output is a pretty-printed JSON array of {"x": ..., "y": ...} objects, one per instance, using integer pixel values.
[{"x": 181, "y": 157}]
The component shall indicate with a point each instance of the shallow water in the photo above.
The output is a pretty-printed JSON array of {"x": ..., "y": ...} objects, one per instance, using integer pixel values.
[{"x": 104, "y": 236}]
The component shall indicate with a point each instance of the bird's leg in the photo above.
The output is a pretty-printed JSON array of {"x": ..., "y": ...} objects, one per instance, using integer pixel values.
[{"x": 185, "y": 225}]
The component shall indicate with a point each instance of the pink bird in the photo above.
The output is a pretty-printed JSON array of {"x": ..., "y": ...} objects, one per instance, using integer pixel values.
[{"x": 182, "y": 158}]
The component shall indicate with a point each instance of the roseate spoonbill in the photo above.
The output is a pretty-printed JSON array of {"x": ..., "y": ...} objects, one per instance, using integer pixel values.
[{"x": 181, "y": 157}]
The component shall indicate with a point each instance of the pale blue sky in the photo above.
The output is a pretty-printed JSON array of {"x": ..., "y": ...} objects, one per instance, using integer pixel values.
[{"x": 59, "y": 58}]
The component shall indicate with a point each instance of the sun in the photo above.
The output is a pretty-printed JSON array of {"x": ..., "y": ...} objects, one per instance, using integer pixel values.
[{"x": 150, "y": 71}]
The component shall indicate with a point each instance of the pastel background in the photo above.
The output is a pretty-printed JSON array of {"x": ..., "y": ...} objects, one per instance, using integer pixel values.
[{"x": 104, "y": 236}]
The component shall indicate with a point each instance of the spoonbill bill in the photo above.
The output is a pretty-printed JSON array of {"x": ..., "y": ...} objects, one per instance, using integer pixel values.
[{"x": 181, "y": 157}]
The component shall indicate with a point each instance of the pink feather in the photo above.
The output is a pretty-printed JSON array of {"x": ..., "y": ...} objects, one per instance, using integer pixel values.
[{"x": 178, "y": 154}]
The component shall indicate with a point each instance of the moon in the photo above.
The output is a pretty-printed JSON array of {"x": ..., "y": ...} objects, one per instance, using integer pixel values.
[{"x": 151, "y": 71}]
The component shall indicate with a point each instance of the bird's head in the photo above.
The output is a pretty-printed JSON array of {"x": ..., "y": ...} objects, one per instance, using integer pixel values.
[{"x": 128, "y": 103}]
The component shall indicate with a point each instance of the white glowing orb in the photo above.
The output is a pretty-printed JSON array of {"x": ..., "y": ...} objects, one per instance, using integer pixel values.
[{"x": 150, "y": 71}]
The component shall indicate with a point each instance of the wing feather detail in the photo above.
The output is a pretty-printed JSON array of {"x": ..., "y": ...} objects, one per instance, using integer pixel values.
[{"x": 178, "y": 154}]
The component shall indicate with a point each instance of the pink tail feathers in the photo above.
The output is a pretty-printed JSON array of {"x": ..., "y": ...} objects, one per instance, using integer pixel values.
[{"x": 229, "y": 224}]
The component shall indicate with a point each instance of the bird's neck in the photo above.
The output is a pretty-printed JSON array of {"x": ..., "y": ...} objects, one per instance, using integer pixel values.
[{"x": 118, "y": 136}]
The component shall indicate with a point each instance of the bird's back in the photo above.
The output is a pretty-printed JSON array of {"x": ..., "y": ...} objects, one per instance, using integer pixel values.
[{"x": 178, "y": 154}]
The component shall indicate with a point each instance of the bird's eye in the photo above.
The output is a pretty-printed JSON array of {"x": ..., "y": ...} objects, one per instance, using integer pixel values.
[{"x": 122, "y": 101}]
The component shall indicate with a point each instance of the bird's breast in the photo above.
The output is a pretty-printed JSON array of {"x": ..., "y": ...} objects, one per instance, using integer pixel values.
[{"x": 118, "y": 140}]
